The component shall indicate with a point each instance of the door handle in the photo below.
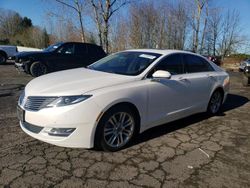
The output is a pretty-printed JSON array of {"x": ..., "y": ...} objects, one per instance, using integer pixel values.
[
  {"x": 183, "y": 79},
  {"x": 212, "y": 77}
]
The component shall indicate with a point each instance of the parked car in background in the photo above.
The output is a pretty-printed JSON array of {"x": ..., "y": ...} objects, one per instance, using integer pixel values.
[
  {"x": 244, "y": 64},
  {"x": 7, "y": 52},
  {"x": 214, "y": 59},
  {"x": 246, "y": 76},
  {"x": 60, "y": 56},
  {"x": 123, "y": 94}
]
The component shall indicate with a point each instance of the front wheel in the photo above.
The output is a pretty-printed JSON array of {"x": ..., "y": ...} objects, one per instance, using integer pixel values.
[
  {"x": 116, "y": 129},
  {"x": 215, "y": 102},
  {"x": 38, "y": 69}
]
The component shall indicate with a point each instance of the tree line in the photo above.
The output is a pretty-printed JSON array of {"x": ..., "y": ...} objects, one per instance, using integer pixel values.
[
  {"x": 195, "y": 25},
  {"x": 17, "y": 30}
]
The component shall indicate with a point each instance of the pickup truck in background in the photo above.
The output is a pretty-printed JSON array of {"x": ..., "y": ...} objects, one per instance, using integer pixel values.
[{"x": 7, "y": 52}]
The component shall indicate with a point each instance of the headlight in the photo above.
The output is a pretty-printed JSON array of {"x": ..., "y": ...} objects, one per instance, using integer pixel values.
[
  {"x": 68, "y": 100},
  {"x": 226, "y": 82},
  {"x": 20, "y": 100}
]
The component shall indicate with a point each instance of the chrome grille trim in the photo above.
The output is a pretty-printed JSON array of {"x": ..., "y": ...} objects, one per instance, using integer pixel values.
[
  {"x": 37, "y": 103},
  {"x": 21, "y": 98}
]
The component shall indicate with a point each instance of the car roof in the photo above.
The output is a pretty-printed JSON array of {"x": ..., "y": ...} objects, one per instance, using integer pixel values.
[
  {"x": 161, "y": 51},
  {"x": 89, "y": 44}
]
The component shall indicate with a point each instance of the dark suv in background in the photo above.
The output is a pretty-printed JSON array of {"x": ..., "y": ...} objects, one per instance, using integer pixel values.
[{"x": 60, "y": 56}]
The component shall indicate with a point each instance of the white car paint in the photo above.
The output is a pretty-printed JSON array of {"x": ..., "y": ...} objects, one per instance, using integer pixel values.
[
  {"x": 157, "y": 102},
  {"x": 27, "y": 49}
]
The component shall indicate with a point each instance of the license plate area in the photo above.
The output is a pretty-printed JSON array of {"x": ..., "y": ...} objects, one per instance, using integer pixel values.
[{"x": 20, "y": 114}]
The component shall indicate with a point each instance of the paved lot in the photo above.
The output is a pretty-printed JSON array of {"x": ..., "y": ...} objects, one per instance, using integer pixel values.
[{"x": 198, "y": 151}]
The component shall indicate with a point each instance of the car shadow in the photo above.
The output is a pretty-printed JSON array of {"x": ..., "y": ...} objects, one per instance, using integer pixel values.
[
  {"x": 8, "y": 62},
  {"x": 233, "y": 101}
]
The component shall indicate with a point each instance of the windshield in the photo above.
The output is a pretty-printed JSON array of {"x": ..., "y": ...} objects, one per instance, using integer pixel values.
[
  {"x": 125, "y": 63},
  {"x": 53, "y": 47}
]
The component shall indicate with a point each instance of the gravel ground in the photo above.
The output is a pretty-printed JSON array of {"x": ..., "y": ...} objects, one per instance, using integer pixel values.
[{"x": 198, "y": 151}]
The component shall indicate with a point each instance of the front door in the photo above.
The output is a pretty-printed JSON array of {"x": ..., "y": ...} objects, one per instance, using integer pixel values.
[
  {"x": 168, "y": 98},
  {"x": 64, "y": 58}
]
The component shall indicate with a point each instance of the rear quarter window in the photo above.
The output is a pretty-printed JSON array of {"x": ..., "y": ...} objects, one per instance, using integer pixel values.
[
  {"x": 195, "y": 64},
  {"x": 96, "y": 50}
]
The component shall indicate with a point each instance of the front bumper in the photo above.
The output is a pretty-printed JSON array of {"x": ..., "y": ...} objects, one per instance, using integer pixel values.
[
  {"x": 247, "y": 71},
  {"x": 81, "y": 117},
  {"x": 20, "y": 67}
]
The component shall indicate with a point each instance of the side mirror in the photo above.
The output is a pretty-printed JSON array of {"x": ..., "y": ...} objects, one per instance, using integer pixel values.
[{"x": 161, "y": 74}]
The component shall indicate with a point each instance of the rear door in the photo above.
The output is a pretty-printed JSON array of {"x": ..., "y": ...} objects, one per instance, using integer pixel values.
[
  {"x": 81, "y": 55},
  {"x": 199, "y": 74},
  {"x": 94, "y": 53}
]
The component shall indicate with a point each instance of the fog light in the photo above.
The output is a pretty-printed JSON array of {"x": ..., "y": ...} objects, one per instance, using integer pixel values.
[{"x": 61, "y": 131}]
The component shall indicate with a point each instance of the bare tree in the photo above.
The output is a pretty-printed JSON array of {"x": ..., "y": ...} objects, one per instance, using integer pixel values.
[
  {"x": 98, "y": 21},
  {"x": 214, "y": 25},
  {"x": 144, "y": 26},
  {"x": 77, "y": 6},
  {"x": 104, "y": 10},
  {"x": 231, "y": 37},
  {"x": 119, "y": 35},
  {"x": 204, "y": 31},
  {"x": 151, "y": 28},
  {"x": 9, "y": 23},
  {"x": 196, "y": 17}
]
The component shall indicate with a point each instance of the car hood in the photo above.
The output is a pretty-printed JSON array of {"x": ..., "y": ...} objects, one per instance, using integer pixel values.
[
  {"x": 73, "y": 82},
  {"x": 28, "y": 54}
]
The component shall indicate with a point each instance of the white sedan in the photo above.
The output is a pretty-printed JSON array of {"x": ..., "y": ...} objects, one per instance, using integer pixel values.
[{"x": 108, "y": 103}]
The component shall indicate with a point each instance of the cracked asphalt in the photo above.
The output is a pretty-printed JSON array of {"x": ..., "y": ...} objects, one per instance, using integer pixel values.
[{"x": 198, "y": 151}]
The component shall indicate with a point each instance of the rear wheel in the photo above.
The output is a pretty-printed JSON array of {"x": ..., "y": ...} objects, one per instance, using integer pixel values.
[
  {"x": 38, "y": 69},
  {"x": 116, "y": 129},
  {"x": 3, "y": 58},
  {"x": 246, "y": 77},
  {"x": 245, "y": 81},
  {"x": 215, "y": 102}
]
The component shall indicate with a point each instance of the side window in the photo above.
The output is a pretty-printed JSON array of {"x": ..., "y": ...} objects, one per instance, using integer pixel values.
[
  {"x": 80, "y": 49},
  {"x": 172, "y": 64},
  {"x": 93, "y": 50},
  {"x": 66, "y": 49},
  {"x": 195, "y": 64}
]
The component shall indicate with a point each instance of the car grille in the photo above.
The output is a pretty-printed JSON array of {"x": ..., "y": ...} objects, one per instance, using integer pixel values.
[{"x": 37, "y": 103}]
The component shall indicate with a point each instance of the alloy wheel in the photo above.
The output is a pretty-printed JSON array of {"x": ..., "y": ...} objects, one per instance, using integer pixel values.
[
  {"x": 215, "y": 102},
  {"x": 119, "y": 129},
  {"x": 38, "y": 69}
]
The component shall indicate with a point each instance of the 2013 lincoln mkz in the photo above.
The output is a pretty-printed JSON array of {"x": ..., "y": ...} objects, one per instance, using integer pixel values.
[{"x": 119, "y": 96}]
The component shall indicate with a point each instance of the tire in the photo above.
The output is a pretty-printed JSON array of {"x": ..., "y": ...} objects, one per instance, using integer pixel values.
[
  {"x": 246, "y": 76},
  {"x": 215, "y": 102},
  {"x": 38, "y": 69},
  {"x": 245, "y": 81},
  {"x": 3, "y": 58},
  {"x": 116, "y": 129}
]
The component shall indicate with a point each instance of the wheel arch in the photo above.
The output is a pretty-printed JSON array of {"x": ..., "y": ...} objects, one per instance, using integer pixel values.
[
  {"x": 129, "y": 104},
  {"x": 219, "y": 88},
  {"x": 4, "y": 53}
]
